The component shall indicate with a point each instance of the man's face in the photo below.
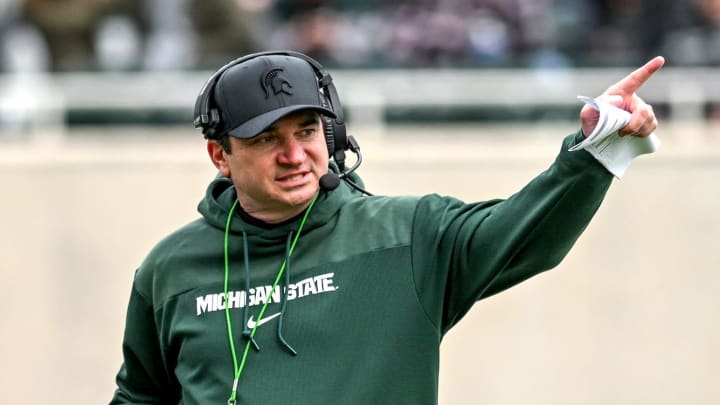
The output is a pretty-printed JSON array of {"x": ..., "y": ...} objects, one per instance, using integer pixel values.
[{"x": 276, "y": 173}]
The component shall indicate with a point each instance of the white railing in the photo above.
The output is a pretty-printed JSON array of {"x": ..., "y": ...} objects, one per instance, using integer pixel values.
[{"x": 46, "y": 99}]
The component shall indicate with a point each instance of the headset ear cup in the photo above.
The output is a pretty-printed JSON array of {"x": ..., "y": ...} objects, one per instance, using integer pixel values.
[
  {"x": 340, "y": 141},
  {"x": 340, "y": 144},
  {"x": 328, "y": 127},
  {"x": 329, "y": 131}
]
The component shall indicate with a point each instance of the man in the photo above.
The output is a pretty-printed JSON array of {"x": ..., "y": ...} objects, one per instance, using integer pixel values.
[{"x": 289, "y": 292}]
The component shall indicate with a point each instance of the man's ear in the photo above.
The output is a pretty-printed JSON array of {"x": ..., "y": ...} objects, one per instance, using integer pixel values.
[{"x": 219, "y": 157}]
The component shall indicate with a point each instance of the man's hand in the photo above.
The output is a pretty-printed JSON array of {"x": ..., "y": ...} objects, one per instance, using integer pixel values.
[{"x": 622, "y": 94}]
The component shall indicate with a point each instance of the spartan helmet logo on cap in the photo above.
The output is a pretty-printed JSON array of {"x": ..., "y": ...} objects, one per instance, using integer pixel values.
[{"x": 276, "y": 80}]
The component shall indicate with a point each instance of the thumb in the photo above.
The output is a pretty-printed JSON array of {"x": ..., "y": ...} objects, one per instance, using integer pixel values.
[{"x": 589, "y": 116}]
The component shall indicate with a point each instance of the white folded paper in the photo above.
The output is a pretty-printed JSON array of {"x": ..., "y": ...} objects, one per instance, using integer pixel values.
[{"x": 610, "y": 149}]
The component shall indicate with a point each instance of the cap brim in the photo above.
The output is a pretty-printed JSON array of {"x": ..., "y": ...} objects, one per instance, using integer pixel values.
[{"x": 256, "y": 125}]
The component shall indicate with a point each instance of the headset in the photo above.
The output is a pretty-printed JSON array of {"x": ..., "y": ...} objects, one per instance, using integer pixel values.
[{"x": 207, "y": 116}]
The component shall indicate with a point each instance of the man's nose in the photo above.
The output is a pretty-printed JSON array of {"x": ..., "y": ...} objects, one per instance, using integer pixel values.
[{"x": 292, "y": 152}]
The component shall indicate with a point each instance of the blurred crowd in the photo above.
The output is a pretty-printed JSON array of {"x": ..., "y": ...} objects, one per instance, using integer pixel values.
[{"x": 122, "y": 35}]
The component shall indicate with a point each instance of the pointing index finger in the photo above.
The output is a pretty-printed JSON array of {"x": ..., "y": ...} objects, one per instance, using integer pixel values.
[{"x": 632, "y": 82}]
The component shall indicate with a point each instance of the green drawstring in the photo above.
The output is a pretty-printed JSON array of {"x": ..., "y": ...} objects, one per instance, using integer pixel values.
[
  {"x": 239, "y": 368},
  {"x": 246, "y": 308},
  {"x": 227, "y": 278},
  {"x": 283, "y": 296}
]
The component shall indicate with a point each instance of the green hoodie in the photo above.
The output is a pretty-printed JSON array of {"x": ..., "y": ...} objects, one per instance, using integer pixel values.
[{"x": 373, "y": 286}]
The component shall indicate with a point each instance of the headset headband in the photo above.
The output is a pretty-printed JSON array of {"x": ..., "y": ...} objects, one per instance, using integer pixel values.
[{"x": 208, "y": 118}]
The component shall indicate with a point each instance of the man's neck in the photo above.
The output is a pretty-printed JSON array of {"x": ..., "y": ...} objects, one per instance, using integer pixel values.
[
  {"x": 259, "y": 221},
  {"x": 269, "y": 218}
]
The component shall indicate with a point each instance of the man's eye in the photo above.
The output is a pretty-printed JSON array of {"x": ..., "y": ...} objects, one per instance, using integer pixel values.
[
  {"x": 266, "y": 139},
  {"x": 308, "y": 132}
]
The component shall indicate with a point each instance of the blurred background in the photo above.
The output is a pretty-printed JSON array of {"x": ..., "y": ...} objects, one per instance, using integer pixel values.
[{"x": 471, "y": 98}]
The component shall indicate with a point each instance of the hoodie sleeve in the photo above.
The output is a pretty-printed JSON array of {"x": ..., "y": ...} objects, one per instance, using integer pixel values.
[
  {"x": 466, "y": 252},
  {"x": 142, "y": 378}
]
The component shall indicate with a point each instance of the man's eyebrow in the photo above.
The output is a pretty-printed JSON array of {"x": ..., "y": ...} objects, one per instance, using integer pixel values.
[
  {"x": 271, "y": 128},
  {"x": 310, "y": 119}
]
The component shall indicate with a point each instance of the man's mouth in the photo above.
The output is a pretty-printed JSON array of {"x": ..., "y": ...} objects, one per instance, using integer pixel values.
[{"x": 293, "y": 179}]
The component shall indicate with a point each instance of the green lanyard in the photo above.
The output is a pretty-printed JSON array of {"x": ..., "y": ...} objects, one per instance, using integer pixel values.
[{"x": 239, "y": 369}]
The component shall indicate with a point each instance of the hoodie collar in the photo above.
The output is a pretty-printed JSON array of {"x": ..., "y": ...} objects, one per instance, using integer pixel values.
[{"x": 221, "y": 195}]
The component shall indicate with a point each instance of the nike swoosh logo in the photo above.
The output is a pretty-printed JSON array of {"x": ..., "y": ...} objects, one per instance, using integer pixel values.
[{"x": 251, "y": 323}]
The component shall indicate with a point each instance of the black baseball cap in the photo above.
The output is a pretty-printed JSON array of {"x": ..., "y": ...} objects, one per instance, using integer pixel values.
[{"x": 252, "y": 95}]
